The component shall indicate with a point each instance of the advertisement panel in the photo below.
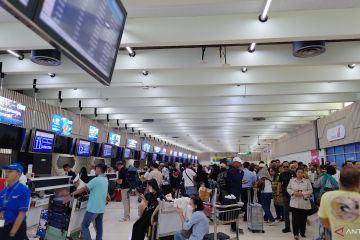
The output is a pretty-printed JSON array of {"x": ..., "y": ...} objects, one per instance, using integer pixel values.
[{"x": 11, "y": 112}]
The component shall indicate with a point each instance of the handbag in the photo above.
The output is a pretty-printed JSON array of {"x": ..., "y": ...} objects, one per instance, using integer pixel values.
[
  {"x": 279, "y": 200},
  {"x": 186, "y": 233}
]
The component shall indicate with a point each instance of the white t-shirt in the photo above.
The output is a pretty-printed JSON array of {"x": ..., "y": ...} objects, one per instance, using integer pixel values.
[
  {"x": 23, "y": 179},
  {"x": 268, "y": 186},
  {"x": 188, "y": 176}
]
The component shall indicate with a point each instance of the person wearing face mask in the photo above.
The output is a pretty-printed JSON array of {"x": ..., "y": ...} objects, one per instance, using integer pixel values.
[
  {"x": 14, "y": 203},
  {"x": 141, "y": 226},
  {"x": 198, "y": 223}
]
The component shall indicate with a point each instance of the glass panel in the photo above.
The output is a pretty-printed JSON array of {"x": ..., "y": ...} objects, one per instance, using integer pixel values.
[
  {"x": 358, "y": 157},
  {"x": 350, "y": 148},
  {"x": 357, "y": 147},
  {"x": 339, "y": 149},
  {"x": 330, "y": 151},
  {"x": 350, "y": 157},
  {"x": 330, "y": 158},
  {"x": 340, "y": 160}
]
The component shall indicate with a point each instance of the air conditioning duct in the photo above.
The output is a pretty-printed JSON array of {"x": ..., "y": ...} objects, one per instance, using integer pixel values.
[{"x": 305, "y": 49}]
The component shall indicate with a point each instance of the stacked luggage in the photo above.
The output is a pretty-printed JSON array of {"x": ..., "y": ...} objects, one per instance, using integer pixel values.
[{"x": 58, "y": 219}]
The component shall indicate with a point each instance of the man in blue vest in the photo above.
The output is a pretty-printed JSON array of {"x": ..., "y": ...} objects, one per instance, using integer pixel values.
[{"x": 14, "y": 203}]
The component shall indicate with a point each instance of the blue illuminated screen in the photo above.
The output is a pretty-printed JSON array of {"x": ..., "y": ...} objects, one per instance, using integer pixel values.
[
  {"x": 127, "y": 153},
  {"x": 157, "y": 149},
  {"x": 107, "y": 150},
  {"x": 146, "y": 147},
  {"x": 93, "y": 133},
  {"x": 83, "y": 148},
  {"x": 114, "y": 139},
  {"x": 61, "y": 125},
  {"x": 131, "y": 143},
  {"x": 43, "y": 142}
]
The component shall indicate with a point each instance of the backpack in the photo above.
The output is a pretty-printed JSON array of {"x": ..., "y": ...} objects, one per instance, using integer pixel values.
[
  {"x": 325, "y": 189},
  {"x": 222, "y": 179},
  {"x": 175, "y": 174}
]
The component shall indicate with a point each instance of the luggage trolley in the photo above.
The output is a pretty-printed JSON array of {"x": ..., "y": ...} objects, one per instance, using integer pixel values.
[{"x": 225, "y": 214}]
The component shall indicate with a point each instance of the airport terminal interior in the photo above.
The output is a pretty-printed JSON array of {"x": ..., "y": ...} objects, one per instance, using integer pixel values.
[{"x": 191, "y": 119}]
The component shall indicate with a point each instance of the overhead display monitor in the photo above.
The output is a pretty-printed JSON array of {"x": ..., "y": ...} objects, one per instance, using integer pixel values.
[
  {"x": 63, "y": 144},
  {"x": 180, "y": 154},
  {"x": 131, "y": 143},
  {"x": 127, "y": 153},
  {"x": 93, "y": 133},
  {"x": 185, "y": 156},
  {"x": 61, "y": 125},
  {"x": 114, "y": 139},
  {"x": 171, "y": 152},
  {"x": 43, "y": 142},
  {"x": 175, "y": 154},
  {"x": 154, "y": 158},
  {"x": 11, "y": 112},
  {"x": 83, "y": 148},
  {"x": 146, "y": 147},
  {"x": 11, "y": 137},
  {"x": 20, "y": 7},
  {"x": 143, "y": 155},
  {"x": 189, "y": 156},
  {"x": 163, "y": 151},
  {"x": 107, "y": 150},
  {"x": 88, "y": 32},
  {"x": 157, "y": 150}
]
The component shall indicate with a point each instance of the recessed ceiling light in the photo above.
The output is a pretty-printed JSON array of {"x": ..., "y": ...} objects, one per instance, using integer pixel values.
[
  {"x": 20, "y": 56},
  {"x": 244, "y": 69},
  {"x": 131, "y": 52},
  {"x": 263, "y": 17},
  {"x": 251, "y": 49},
  {"x": 351, "y": 66}
]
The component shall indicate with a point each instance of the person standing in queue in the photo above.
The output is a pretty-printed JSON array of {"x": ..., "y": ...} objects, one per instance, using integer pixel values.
[
  {"x": 14, "y": 203},
  {"x": 98, "y": 188},
  {"x": 284, "y": 180},
  {"x": 125, "y": 189}
]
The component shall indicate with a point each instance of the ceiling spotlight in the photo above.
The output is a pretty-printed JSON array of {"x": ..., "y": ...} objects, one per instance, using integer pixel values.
[
  {"x": 20, "y": 56},
  {"x": 52, "y": 74},
  {"x": 263, "y": 17},
  {"x": 131, "y": 52},
  {"x": 244, "y": 69},
  {"x": 251, "y": 49},
  {"x": 145, "y": 72},
  {"x": 351, "y": 66}
]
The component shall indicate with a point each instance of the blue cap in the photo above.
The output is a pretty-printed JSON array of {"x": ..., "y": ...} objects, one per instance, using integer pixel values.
[{"x": 15, "y": 166}]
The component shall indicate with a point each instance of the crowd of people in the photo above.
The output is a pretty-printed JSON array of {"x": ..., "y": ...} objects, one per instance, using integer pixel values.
[{"x": 295, "y": 190}]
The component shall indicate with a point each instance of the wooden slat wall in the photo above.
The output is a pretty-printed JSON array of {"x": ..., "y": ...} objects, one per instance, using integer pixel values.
[{"x": 349, "y": 117}]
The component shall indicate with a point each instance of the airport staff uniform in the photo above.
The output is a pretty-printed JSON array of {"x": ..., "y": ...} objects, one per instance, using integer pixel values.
[{"x": 13, "y": 200}]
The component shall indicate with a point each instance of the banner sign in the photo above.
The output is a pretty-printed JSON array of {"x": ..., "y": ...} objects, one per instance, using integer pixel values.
[
  {"x": 335, "y": 133},
  {"x": 11, "y": 112}
]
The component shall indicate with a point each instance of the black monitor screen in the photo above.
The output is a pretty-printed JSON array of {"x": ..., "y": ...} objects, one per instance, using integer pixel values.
[
  {"x": 16, "y": 7},
  {"x": 89, "y": 32},
  {"x": 11, "y": 137},
  {"x": 63, "y": 144}
]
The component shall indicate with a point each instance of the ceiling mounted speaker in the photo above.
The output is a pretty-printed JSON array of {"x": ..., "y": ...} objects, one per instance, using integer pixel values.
[
  {"x": 305, "y": 49},
  {"x": 46, "y": 57}
]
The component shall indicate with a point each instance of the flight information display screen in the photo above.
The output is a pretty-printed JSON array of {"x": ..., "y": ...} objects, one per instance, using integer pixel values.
[
  {"x": 107, "y": 151},
  {"x": 43, "y": 142},
  {"x": 83, "y": 149},
  {"x": 89, "y": 31}
]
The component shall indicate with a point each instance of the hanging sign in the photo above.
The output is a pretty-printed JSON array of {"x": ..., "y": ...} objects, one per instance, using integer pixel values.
[{"x": 336, "y": 133}]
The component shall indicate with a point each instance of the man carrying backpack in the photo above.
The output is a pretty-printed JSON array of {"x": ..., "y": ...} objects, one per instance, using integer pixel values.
[{"x": 125, "y": 189}]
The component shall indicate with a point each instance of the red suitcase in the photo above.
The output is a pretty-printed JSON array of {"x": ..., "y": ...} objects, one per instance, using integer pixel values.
[{"x": 117, "y": 196}]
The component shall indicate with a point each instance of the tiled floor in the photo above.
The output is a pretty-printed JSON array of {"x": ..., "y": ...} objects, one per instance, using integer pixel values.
[{"x": 116, "y": 230}]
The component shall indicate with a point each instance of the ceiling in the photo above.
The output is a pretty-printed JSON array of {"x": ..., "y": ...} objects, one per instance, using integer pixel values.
[{"x": 207, "y": 104}]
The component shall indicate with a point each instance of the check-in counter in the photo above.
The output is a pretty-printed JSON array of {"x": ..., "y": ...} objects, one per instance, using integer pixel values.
[{"x": 41, "y": 191}]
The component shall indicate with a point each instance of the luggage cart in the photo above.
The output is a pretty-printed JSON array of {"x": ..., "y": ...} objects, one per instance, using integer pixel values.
[
  {"x": 225, "y": 214},
  {"x": 168, "y": 221}
]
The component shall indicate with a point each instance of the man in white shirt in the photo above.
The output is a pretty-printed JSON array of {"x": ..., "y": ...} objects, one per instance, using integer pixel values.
[{"x": 189, "y": 180}]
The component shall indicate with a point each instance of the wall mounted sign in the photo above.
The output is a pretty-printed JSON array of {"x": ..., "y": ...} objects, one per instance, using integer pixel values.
[
  {"x": 61, "y": 125},
  {"x": 11, "y": 112},
  {"x": 336, "y": 133}
]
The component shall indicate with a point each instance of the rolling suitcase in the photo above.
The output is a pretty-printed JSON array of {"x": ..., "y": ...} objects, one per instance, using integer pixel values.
[
  {"x": 255, "y": 215},
  {"x": 117, "y": 195}
]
